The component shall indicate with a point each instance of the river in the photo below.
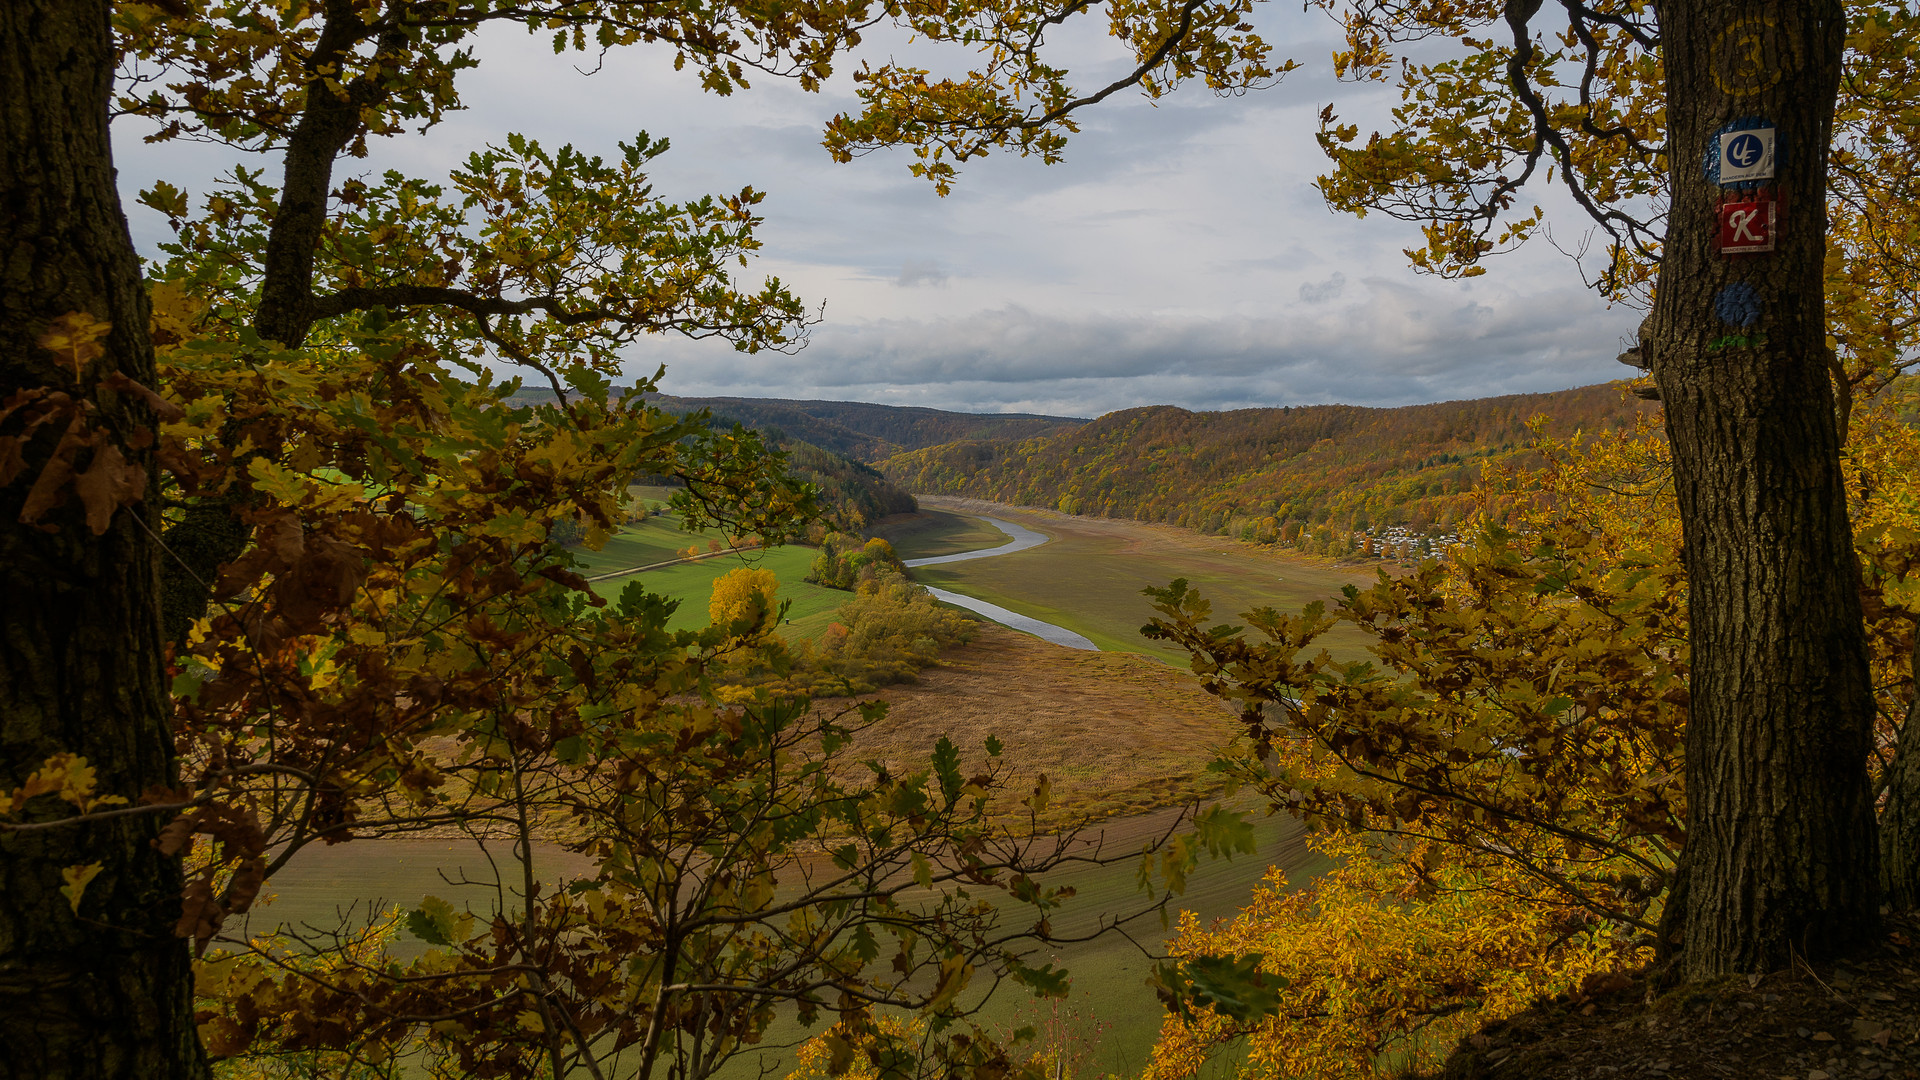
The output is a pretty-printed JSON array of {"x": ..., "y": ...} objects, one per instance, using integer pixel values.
[{"x": 1023, "y": 538}]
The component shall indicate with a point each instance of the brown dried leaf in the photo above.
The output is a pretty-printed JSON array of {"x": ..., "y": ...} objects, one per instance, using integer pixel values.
[
  {"x": 245, "y": 886},
  {"x": 49, "y": 488},
  {"x": 174, "y": 838},
  {"x": 322, "y": 581},
  {"x": 109, "y": 482},
  {"x": 222, "y": 1037},
  {"x": 284, "y": 536},
  {"x": 12, "y": 461},
  {"x": 200, "y": 912}
]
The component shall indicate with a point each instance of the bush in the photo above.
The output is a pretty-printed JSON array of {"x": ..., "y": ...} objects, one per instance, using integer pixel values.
[
  {"x": 845, "y": 562},
  {"x": 885, "y": 635}
]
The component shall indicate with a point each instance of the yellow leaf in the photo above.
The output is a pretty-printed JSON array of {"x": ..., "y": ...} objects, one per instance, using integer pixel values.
[
  {"x": 76, "y": 878},
  {"x": 76, "y": 336}
]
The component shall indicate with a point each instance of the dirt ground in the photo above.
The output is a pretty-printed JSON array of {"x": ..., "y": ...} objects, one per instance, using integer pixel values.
[
  {"x": 1115, "y": 733},
  {"x": 1856, "y": 1020}
]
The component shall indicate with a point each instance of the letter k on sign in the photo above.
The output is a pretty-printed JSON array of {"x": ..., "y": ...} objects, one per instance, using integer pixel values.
[{"x": 1747, "y": 225}]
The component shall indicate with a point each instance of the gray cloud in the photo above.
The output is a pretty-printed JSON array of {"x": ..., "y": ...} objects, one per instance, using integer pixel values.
[
  {"x": 1396, "y": 346},
  {"x": 920, "y": 272},
  {"x": 1319, "y": 292}
]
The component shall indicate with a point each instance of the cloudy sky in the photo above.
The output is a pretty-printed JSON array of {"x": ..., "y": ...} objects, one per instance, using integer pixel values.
[{"x": 1180, "y": 256}]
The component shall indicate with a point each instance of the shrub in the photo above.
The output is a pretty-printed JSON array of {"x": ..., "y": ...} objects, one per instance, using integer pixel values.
[{"x": 844, "y": 561}]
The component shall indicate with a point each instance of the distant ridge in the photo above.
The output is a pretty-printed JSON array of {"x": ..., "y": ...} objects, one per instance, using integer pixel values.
[
  {"x": 1266, "y": 474},
  {"x": 864, "y": 431},
  {"x": 852, "y": 493}
]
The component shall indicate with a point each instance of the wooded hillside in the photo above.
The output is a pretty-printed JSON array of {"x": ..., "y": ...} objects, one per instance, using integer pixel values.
[
  {"x": 1264, "y": 473},
  {"x": 865, "y": 431},
  {"x": 853, "y": 494}
]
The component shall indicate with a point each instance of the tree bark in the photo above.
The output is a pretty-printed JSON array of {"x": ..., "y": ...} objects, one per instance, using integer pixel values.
[
  {"x": 1900, "y": 822},
  {"x": 106, "y": 991},
  {"x": 1782, "y": 855}
]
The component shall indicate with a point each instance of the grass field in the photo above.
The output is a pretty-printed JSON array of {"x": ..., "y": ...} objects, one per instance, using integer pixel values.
[
  {"x": 931, "y": 533},
  {"x": 656, "y": 539},
  {"x": 652, "y": 493},
  {"x": 659, "y": 539},
  {"x": 1089, "y": 578}
]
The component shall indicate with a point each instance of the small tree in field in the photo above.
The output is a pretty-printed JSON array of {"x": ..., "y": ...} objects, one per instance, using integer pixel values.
[{"x": 747, "y": 593}]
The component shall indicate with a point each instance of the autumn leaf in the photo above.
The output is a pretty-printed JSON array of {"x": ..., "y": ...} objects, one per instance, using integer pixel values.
[
  {"x": 75, "y": 337},
  {"x": 108, "y": 483},
  {"x": 77, "y": 878}
]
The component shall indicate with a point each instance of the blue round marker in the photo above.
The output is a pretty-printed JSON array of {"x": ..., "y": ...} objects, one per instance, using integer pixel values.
[{"x": 1738, "y": 305}]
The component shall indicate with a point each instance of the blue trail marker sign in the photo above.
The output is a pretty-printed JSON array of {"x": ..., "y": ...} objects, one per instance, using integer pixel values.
[{"x": 1746, "y": 157}]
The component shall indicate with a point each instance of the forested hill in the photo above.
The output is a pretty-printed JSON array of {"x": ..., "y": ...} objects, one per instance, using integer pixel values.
[
  {"x": 865, "y": 431},
  {"x": 853, "y": 494},
  {"x": 1255, "y": 472}
]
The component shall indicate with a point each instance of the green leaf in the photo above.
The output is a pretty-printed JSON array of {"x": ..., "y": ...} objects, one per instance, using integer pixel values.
[
  {"x": 1233, "y": 986},
  {"x": 946, "y": 765},
  {"x": 1236, "y": 986},
  {"x": 1046, "y": 981},
  {"x": 1224, "y": 832},
  {"x": 436, "y": 923},
  {"x": 864, "y": 945}
]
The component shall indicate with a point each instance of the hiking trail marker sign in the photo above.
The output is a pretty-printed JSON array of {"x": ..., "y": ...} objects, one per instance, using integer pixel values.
[
  {"x": 1746, "y": 156},
  {"x": 1741, "y": 158},
  {"x": 1747, "y": 223}
]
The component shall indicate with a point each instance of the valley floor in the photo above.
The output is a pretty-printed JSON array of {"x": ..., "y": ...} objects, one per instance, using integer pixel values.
[
  {"x": 1117, "y": 733},
  {"x": 1089, "y": 578}
]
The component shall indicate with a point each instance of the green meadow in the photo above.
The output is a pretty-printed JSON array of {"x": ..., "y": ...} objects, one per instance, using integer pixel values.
[
  {"x": 1110, "y": 1010},
  {"x": 660, "y": 539}
]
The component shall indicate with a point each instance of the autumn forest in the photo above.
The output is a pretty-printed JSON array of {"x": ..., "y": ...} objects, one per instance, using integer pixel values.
[{"x": 397, "y": 682}]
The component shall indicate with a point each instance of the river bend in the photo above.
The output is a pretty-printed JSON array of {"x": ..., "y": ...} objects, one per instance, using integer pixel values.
[{"x": 1023, "y": 538}]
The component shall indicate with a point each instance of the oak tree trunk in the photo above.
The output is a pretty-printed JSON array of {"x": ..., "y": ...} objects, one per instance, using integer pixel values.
[
  {"x": 1782, "y": 856},
  {"x": 1900, "y": 820},
  {"x": 106, "y": 991}
]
